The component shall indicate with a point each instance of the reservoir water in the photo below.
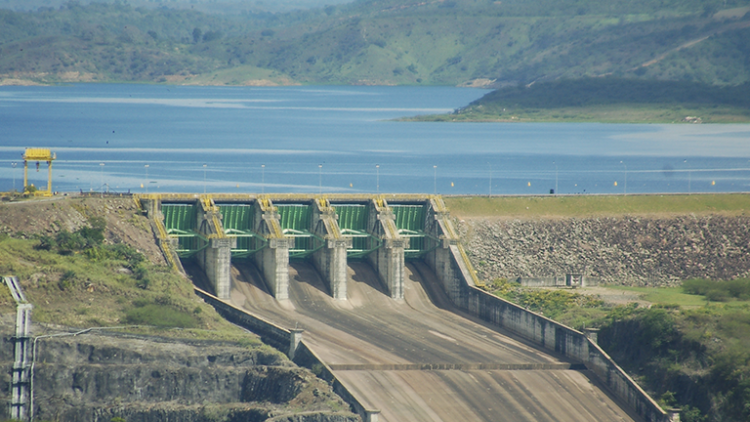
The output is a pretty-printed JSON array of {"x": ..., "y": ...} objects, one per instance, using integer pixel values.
[{"x": 156, "y": 138}]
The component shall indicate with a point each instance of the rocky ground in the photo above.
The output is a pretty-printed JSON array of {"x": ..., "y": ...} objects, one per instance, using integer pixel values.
[
  {"x": 101, "y": 375},
  {"x": 627, "y": 250}
]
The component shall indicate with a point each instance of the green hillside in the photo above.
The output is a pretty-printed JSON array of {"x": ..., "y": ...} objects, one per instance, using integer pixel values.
[
  {"x": 473, "y": 42},
  {"x": 609, "y": 99}
]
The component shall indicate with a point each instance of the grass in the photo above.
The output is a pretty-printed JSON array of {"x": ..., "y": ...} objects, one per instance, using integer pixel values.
[
  {"x": 665, "y": 296},
  {"x": 595, "y": 205},
  {"x": 78, "y": 291}
]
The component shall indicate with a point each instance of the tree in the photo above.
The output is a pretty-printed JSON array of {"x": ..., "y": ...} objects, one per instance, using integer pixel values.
[{"x": 197, "y": 35}]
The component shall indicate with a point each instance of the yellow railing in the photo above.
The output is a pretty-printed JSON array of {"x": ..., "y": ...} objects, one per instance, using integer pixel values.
[
  {"x": 284, "y": 196},
  {"x": 470, "y": 267}
]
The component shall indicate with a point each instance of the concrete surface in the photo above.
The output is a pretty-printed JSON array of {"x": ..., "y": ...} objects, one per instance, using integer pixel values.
[{"x": 423, "y": 328}]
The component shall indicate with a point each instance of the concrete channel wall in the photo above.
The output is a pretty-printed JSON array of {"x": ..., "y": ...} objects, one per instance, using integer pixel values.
[
  {"x": 290, "y": 342},
  {"x": 452, "y": 266}
]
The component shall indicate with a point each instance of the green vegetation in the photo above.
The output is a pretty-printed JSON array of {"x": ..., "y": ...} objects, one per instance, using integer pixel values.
[
  {"x": 551, "y": 303},
  {"x": 690, "y": 348},
  {"x": 587, "y": 206},
  {"x": 76, "y": 280},
  {"x": 665, "y": 296},
  {"x": 609, "y": 100},
  {"x": 719, "y": 291},
  {"x": 477, "y": 42}
]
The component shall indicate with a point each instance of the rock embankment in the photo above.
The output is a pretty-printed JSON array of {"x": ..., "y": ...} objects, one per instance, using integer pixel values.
[
  {"x": 637, "y": 251},
  {"x": 98, "y": 377}
]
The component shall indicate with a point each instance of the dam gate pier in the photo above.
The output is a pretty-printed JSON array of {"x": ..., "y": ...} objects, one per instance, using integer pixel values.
[{"x": 269, "y": 231}]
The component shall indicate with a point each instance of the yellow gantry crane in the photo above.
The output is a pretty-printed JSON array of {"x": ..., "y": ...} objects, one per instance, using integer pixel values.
[{"x": 38, "y": 154}]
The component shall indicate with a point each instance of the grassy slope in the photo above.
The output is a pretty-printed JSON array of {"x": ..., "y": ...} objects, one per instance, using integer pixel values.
[
  {"x": 595, "y": 205},
  {"x": 104, "y": 293},
  {"x": 98, "y": 287},
  {"x": 609, "y": 100}
]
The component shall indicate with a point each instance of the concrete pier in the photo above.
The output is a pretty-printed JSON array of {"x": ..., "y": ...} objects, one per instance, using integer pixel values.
[
  {"x": 440, "y": 260},
  {"x": 330, "y": 260},
  {"x": 216, "y": 258},
  {"x": 388, "y": 260},
  {"x": 272, "y": 261}
]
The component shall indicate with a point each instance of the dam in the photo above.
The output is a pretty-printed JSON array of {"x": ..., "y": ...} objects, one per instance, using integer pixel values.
[{"x": 376, "y": 295}]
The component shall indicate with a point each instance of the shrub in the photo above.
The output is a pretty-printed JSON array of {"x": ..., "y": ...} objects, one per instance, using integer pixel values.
[
  {"x": 67, "y": 280},
  {"x": 658, "y": 328},
  {"x": 692, "y": 414},
  {"x": 94, "y": 232},
  {"x": 68, "y": 242},
  {"x": 46, "y": 243},
  {"x": 718, "y": 291}
]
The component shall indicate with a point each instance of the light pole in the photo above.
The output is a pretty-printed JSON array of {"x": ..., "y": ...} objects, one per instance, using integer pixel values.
[
  {"x": 490, "y": 164},
  {"x": 377, "y": 178},
  {"x": 690, "y": 175},
  {"x": 556, "y": 177},
  {"x": 14, "y": 164},
  {"x": 625, "y": 188},
  {"x": 262, "y": 178},
  {"x": 204, "y": 178},
  {"x": 434, "y": 182},
  {"x": 146, "y": 167},
  {"x": 320, "y": 179},
  {"x": 101, "y": 176}
]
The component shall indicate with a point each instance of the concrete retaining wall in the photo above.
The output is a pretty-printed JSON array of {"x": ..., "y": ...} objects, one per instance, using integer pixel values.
[
  {"x": 289, "y": 342},
  {"x": 544, "y": 332},
  {"x": 307, "y": 358},
  {"x": 271, "y": 334}
]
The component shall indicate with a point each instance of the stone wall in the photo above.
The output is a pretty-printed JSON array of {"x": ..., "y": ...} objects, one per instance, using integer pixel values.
[{"x": 639, "y": 251}]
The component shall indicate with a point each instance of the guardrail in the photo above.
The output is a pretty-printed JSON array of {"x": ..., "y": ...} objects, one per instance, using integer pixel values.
[{"x": 20, "y": 405}]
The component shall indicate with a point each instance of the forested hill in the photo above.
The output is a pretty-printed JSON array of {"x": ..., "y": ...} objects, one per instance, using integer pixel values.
[{"x": 452, "y": 42}]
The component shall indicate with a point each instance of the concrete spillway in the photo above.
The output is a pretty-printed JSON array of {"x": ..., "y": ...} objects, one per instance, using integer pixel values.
[
  {"x": 418, "y": 341},
  {"x": 375, "y": 343}
]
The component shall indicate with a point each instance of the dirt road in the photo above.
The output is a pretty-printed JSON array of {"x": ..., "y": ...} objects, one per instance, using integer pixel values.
[{"x": 370, "y": 333}]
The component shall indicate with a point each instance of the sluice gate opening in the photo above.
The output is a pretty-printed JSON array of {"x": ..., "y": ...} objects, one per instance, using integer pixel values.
[
  {"x": 237, "y": 222},
  {"x": 295, "y": 220},
  {"x": 352, "y": 220},
  {"x": 180, "y": 221},
  {"x": 410, "y": 222}
]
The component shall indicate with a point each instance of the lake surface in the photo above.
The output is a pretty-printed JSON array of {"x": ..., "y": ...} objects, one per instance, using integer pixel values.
[{"x": 152, "y": 138}]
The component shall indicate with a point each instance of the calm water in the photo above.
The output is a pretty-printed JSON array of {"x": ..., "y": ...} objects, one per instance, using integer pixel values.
[{"x": 330, "y": 139}]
